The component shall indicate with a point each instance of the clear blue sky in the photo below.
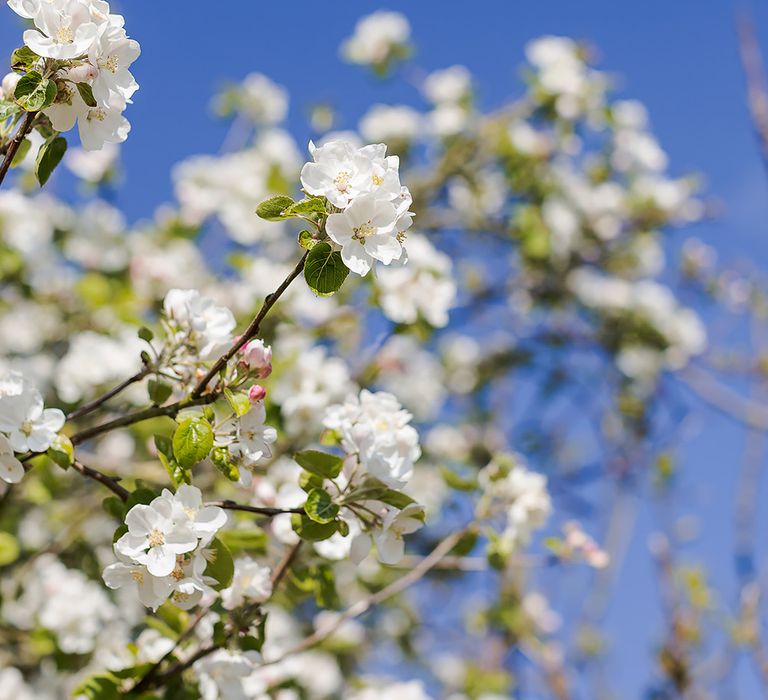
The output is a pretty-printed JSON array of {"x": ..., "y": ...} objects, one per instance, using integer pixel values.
[{"x": 679, "y": 57}]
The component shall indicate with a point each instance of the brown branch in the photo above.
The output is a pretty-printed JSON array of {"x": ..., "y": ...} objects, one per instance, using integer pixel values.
[
  {"x": 15, "y": 143},
  {"x": 258, "y": 510},
  {"x": 251, "y": 331}
]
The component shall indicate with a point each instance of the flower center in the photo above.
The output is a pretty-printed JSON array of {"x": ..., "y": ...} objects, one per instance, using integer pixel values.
[
  {"x": 178, "y": 572},
  {"x": 64, "y": 35},
  {"x": 138, "y": 576},
  {"x": 111, "y": 64},
  {"x": 156, "y": 538},
  {"x": 363, "y": 231},
  {"x": 98, "y": 114},
  {"x": 377, "y": 180},
  {"x": 27, "y": 427},
  {"x": 342, "y": 180}
]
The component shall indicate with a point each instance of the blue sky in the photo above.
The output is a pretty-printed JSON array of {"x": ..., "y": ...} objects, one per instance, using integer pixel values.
[{"x": 679, "y": 58}]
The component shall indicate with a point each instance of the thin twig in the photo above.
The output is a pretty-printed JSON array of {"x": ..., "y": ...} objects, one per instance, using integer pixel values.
[
  {"x": 757, "y": 93},
  {"x": 13, "y": 146},
  {"x": 258, "y": 510},
  {"x": 398, "y": 586},
  {"x": 252, "y": 329}
]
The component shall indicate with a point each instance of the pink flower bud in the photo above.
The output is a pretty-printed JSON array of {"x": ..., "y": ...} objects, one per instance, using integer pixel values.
[
  {"x": 9, "y": 85},
  {"x": 82, "y": 73},
  {"x": 258, "y": 358},
  {"x": 257, "y": 393}
]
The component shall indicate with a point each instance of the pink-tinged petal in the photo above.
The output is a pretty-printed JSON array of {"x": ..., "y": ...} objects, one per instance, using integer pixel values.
[
  {"x": 339, "y": 228},
  {"x": 356, "y": 258}
]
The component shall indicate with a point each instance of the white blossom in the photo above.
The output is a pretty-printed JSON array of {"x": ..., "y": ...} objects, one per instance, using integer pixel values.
[
  {"x": 376, "y": 428},
  {"x": 376, "y": 37},
  {"x": 23, "y": 417},
  {"x": 251, "y": 583}
]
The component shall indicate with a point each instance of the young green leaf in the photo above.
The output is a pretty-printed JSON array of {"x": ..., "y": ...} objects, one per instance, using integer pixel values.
[
  {"x": 86, "y": 92},
  {"x": 319, "y": 463},
  {"x": 310, "y": 205},
  {"x": 220, "y": 564},
  {"x": 158, "y": 391},
  {"x": 324, "y": 269},
  {"x": 319, "y": 506},
  {"x": 310, "y": 530},
  {"x": 48, "y": 157},
  {"x": 192, "y": 441},
  {"x": 273, "y": 208}
]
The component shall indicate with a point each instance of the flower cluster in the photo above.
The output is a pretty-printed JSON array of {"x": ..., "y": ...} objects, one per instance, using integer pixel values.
[
  {"x": 378, "y": 39},
  {"x": 247, "y": 439},
  {"x": 365, "y": 184},
  {"x": 25, "y": 424},
  {"x": 522, "y": 496},
  {"x": 376, "y": 428},
  {"x": 165, "y": 549},
  {"x": 93, "y": 54}
]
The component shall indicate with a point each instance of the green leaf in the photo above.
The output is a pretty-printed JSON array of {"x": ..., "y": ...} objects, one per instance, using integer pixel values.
[
  {"x": 220, "y": 566},
  {"x": 309, "y": 481},
  {"x": 324, "y": 269},
  {"x": 8, "y": 109},
  {"x": 158, "y": 391},
  {"x": 273, "y": 208},
  {"x": 396, "y": 499},
  {"x": 86, "y": 92},
  {"x": 325, "y": 587},
  {"x": 21, "y": 153},
  {"x": 23, "y": 58},
  {"x": 100, "y": 687},
  {"x": 140, "y": 496},
  {"x": 113, "y": 506},
  {"x": 192, "y": 441},
  {"x": 306, "y": 240},
  {"x": 33, "y": 92},
  {"x": 309, "y": 530},
  {"x": 146, "y": 333},
  {"x": 310, "y": 205},
  {"x": 48, "y": 157},
  {"x": 319, "y": 506},
  {"x": 239, "y": 402},
  {"x": 177, "y": 473},
  {"x": 62, "y": 451},
  {"x": 254, "y": 642},
  {"x": 319, "y": 463}
]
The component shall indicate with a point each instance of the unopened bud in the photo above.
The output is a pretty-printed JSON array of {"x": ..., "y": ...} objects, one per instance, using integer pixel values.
[
  {"x": 258, "y": 357},
  {"x": 9, "y": 85},
  {"x": 82, "y": 73},
  {"x": 257, "y": 393}
]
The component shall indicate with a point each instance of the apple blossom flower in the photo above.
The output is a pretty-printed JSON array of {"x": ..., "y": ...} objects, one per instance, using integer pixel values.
[
  {"x": 11, "y": 469},
  {"x": 198, "y": 320},
  {"x": 246, "y": 436},
  {"x": 338, "y": 171},
  {"x": 23, "y": 417},
  {"x": 366, "y": 232},
  {"x": 258, "y": 357},
  {"x": 377, "y": 38},
  {"x": 155, "y": 537},
  {"x": 251, "y": 582},
  {"x": 64, "y": 29},
  {"x": 376, "y": 428}
]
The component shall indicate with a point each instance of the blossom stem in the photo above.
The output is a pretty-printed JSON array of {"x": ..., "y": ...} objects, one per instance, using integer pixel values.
[
  {"x": 251, "y": 331},
  {"x": 15, "y": 143},
  {"x": 98, "y": 401}
]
